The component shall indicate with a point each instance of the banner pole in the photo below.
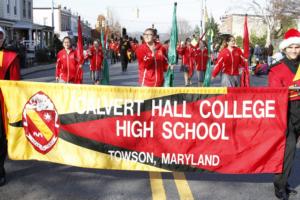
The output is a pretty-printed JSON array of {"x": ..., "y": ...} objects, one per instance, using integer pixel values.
[{"x": 294, "y": 88}]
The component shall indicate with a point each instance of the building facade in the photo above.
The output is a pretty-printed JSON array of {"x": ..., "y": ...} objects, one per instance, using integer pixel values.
[
  {"x": 234, "y": 24},
  {"x": 16, "y": 17},
  {"x": 65, "y": 22}
]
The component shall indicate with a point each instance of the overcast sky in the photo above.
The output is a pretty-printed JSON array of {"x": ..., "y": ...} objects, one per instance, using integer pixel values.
[{"x": 158, "y": 12}]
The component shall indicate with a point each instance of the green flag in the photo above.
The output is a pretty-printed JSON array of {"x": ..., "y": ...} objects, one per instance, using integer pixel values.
[
  {"x": 105, "y": 69},
  {"x": 172, "y": 54},
  {"x": 207, "y": 77}
]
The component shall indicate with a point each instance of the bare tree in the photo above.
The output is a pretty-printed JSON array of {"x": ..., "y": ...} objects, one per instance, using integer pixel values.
[
  {"x": 274, "y": 12},
  {"x": 288, "y": 7},
  {"x": 265, "y": 10},
  {"x": 184, "y": 29}
]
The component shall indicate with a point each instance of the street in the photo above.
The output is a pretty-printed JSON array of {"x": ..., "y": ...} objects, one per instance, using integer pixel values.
[{"x": 34, "y": 180}]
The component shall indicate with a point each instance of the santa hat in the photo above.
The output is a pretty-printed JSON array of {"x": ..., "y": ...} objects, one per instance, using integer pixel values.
[{"x": 292, "y": 36}]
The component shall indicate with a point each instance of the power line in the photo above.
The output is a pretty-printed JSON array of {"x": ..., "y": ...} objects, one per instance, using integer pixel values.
[{"x": 154, "y": 21}]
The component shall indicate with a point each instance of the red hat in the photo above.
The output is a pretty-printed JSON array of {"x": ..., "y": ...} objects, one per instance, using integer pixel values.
[{"x": 292, "y": 36}]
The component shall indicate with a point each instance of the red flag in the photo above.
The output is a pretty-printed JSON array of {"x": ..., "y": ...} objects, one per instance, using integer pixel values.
[
  {"x": 202, "y": 36},
  {"x": 79, "y": 75},
  {"x": 245, "y": 79}
]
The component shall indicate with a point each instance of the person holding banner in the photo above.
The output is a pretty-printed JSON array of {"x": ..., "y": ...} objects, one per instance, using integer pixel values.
[
  {"x": 95, "y": 56},
  {"x": 9, "y": 70},
  {"x": 67, "y": 65},
  {"x": 152, "y": 61},
  {"x": 286, "y": 73},
  {"x": 229, "y": 61}
]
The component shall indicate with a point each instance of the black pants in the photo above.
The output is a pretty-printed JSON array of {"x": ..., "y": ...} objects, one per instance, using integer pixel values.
[
  {"x": 124, "y": 65},
  {"x": 292, "y": 134},
  {"x": 3, "y": 145}
]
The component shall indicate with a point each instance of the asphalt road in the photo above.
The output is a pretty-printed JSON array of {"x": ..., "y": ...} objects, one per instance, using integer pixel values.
[{"x": 34, "y": 180}]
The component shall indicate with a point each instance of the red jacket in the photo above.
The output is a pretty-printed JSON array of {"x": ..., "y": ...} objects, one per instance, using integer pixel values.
[
  {"x": 229, "y": 62},
  {"x": 9, "y": 70},
  {"x": 67, "y": 66},
  {"x": 9, "y": 65},
  {"x": 151, "y": 68},
  {"x": 96, "y": 59},
  {"x": 282, "y": 75},
  {"x": 188, "y": 54},
  {"x": 134, "y": 46},
  {"x": 201, "y": 58}
]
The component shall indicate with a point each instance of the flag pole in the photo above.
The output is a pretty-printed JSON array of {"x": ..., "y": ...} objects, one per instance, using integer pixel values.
[
  {"x": 294, "y": 88},
  {"x": 172, "y": 55}
]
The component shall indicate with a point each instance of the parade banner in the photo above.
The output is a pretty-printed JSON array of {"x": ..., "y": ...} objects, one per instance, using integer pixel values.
[{"x": 223, "y": 130}]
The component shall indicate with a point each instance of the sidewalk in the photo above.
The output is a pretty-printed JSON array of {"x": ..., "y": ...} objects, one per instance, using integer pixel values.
[{"x": 37, "y": 68}]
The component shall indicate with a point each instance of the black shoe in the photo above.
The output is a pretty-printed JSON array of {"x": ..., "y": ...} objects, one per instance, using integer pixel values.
[
  {"x": 282, "y": 195},
  {"x": 2, "y": 180},
  {"x": 291, "y": 191}
]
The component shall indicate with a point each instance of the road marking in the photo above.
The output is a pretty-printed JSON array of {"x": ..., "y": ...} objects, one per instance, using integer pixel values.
[
  {"x": 183, "y": 187},
  {"x": 157, "y": 187}
]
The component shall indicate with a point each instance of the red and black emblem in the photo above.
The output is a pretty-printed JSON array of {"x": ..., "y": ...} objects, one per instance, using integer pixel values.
[{"x": 41, "y": 122}]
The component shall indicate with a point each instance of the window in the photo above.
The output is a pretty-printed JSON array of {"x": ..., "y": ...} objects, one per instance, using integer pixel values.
[
  {"x": 8, "y": 6},
  {"x": 29, "y": 10},
  {"x": 24, "y": 8},
  {"x": 15, "y": 8}
]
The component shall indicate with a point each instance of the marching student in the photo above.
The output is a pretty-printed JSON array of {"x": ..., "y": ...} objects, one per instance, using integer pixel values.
[
  {"x": 96, "y": 57},
  {"x": 201, "y": 58},
  {"x": 186, "y": 52},
  {"x": 152, "y": 61},
  {"x": 67, "y": 65},
  {"x": 124, "y": 48},
  {"x": 229, "y": 61}
]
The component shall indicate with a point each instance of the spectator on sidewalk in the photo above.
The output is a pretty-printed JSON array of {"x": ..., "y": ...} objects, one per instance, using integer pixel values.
[
  {"x": 251, "y": 53},
  {"x": 270, "y": 54},
  {"x": 257, "y": 52}
]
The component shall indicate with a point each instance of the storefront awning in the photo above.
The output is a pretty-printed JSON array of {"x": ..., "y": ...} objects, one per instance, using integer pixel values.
[
  {"x": 23, "y": 25},
  {"x": 6, "y": 23}
]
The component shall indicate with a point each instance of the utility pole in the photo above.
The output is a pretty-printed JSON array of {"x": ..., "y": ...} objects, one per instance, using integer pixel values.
[
  {"x": 204, "y": 17},
  {"x": 52, "y": 16},
  {"x": 201, "y": 17},
  {"x": 52, "y": 9}
]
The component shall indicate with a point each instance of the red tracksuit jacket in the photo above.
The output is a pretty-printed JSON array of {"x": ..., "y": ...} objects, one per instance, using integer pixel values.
[
  {"x": 282, "y": 75},
  {"x": 229, "y": 62},
  {"x": 67, "y": 66},
  {"x": 201, "y": 58},
  {"x": 9, "y": 66},
  {"x": 151, "y": 68},
  {"x": 96, "y": 59}
]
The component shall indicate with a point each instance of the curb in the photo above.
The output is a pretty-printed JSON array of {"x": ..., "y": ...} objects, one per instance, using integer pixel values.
[{"x": 31, "y": 70}]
